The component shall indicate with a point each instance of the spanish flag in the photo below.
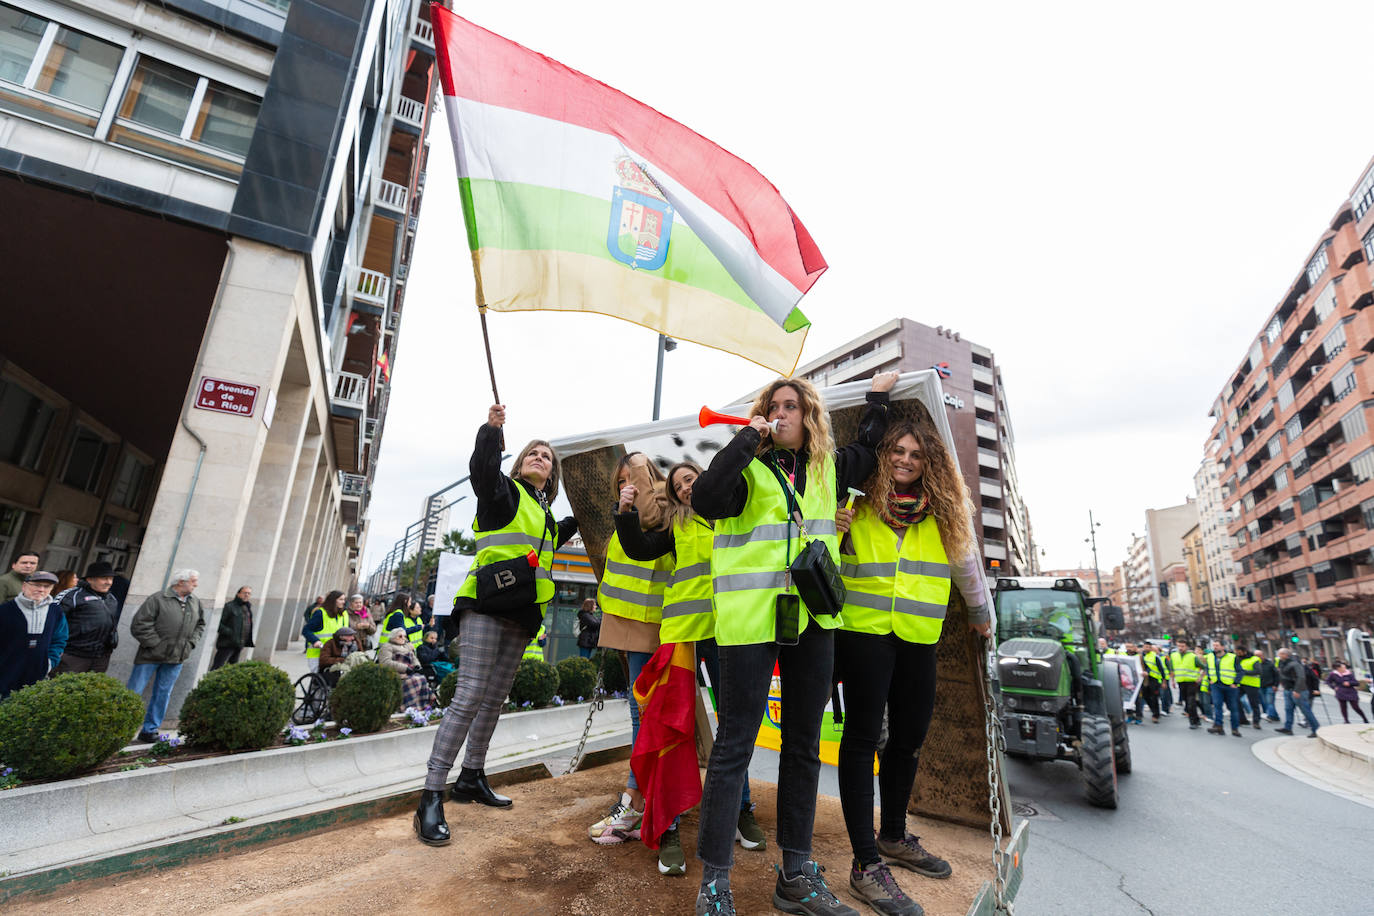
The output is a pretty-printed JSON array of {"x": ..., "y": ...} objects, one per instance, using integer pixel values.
[{"x": 664, "y": 759}]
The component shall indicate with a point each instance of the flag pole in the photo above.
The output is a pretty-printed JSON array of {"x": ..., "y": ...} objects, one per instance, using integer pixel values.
[{"x": 491, "y": 369}]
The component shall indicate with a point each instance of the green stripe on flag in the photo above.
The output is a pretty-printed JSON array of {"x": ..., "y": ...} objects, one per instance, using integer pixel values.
[{"x": 522, "y": 217}]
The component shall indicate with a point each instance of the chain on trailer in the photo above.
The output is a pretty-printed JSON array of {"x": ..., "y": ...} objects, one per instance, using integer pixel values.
[
  {"x": 996, "y": 744},
  {"x": 597, "y": 704}
]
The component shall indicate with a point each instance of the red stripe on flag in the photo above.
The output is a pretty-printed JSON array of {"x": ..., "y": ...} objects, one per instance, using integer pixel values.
[{"x": 497, "y": 71}]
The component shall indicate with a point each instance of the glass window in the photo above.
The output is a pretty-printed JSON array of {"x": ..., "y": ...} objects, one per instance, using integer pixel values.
[
  {"x": 1286, "y": 395},
  {"x": 1344, "y": 382},
  {"x": 1369, "y": 241},
  {"x": 85, "y": 460},
  {"x": 1317, "y": 266},
  {"x": 1353, "y": 424},
  {"x": 1271, "y": 333},
  {"x": 129, "y": 483},
  {"x": 226, "y": 119},
  {"x": 1323, "y": 575},
  {"x": 1273, "y": 446},
  {"x": 1326, "y": 299},
  {"x": 1334, "y": 342},
  {"x": 1293, "y": 544},
  {"x": 1040, "y": 612},
  {"x": 159, "y": 96},
  {"x": 1286, "y": 511},
  {"x": 1280, "y": 480},
  {"x": 1364, "y": 194},
  {"x": 1367, "y": 513},
  {"x": 1362, "y": 465},
  {"x": 70, "y": 86},
  {"x": 1293, "y": 428},
  {"x": 1307, "y": 499},
  {"x": 26, "y": 420},
  {"x": 1300, "y": 462}
]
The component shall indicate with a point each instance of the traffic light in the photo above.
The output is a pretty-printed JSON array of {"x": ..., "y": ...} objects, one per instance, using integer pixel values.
[
  {"x": 1164, "y": 589},
  {"x": 1294, "y": 637}
]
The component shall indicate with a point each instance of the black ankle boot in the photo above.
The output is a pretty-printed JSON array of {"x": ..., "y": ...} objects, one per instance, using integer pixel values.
[
  {"x": 472, "y": 787},
  {"x": 430, "y": 825}
]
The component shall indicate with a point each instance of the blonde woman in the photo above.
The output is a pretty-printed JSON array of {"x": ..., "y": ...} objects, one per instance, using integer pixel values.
[
  {"x": 763, "y": 489},
  {"x": 905, "y": 541},
  {"x": 513, "y": 522}
]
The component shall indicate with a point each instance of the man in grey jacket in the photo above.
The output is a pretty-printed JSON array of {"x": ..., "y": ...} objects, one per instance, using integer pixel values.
[{"x": 168, "y": 628}]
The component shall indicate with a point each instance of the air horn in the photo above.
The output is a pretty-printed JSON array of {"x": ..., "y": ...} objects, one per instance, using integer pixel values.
[{"x": 709, "y": 417}]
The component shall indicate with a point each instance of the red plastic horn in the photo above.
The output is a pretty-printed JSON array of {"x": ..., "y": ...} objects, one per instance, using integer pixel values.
[{"x": 709, "y": 417}]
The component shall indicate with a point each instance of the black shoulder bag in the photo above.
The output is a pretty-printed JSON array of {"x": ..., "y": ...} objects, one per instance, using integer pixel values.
[
  {"x": 813, "y": 570},
  {"x": 508, "y": 586}
]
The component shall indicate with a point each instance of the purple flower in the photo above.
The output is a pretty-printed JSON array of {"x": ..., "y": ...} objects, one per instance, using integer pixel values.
[{"x": 345, "y": 732}]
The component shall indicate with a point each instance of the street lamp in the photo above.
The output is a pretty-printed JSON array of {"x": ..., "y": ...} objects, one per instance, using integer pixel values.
[
  {"x": 1092, "y": 537},
  {"x": 665, "y": 345}
]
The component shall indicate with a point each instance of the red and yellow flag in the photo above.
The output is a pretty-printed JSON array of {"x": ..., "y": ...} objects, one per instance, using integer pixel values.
[{"x": 664, "y": 759}]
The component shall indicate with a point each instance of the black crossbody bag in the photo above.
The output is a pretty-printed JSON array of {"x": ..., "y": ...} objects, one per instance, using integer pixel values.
[
  {"x": 813, "y": 570},
  {"x": 508, "y": 586}
]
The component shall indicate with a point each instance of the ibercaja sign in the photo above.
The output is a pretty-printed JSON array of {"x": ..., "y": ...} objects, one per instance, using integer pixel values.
[{"x": 226, "y": 397}]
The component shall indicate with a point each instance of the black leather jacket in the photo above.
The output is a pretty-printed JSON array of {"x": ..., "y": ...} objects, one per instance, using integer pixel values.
[{"x": 92, "y": 621}]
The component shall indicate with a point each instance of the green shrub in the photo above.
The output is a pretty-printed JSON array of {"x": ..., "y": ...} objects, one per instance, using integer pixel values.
[
  {"x": 366, "y": 697},
  {"x": 67, "y": 725},
  {"x": 535, "y": 684},
  {"x": 447, "y": 687},
  {"x": 576, "y": 679},
  {"x": 238, "y": 706},
  {"x": 612, "y": 672}
]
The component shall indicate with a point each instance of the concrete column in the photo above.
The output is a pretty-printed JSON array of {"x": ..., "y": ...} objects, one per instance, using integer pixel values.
[
  {"x": 281, "y": 615},
  {"x": 310, "y": 567}
]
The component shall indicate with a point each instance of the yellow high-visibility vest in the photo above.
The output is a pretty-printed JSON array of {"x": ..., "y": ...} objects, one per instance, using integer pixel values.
[{"x": 894, "y": 588}]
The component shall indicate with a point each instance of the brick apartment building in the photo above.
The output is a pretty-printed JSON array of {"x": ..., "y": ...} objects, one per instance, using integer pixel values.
[{"x": 1293, "y": 440}]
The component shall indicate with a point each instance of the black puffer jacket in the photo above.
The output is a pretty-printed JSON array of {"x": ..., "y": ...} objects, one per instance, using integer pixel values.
[{"x": 92, "y": 621}]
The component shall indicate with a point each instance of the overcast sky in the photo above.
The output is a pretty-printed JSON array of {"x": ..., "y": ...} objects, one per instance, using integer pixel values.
[{"x": 1111, "y": 198}]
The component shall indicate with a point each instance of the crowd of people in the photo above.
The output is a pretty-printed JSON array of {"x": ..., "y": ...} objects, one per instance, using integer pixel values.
[
  {"x": 706, "y": 556},
  {"x": 1213, "y": 682}
]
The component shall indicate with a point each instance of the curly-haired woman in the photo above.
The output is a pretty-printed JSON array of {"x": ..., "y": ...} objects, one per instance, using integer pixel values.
[{"x": 906, "y": 540}]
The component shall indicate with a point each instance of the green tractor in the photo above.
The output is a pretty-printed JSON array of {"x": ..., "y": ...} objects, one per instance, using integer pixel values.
[{"x": 1057, "y": 697}]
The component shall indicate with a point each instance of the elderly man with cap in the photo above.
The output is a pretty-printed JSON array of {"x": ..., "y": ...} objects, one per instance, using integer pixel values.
[
  {"x": 33, "y": 633},
  {"x": 168, "y": 628},
  {"x": 92, "y": 614}
]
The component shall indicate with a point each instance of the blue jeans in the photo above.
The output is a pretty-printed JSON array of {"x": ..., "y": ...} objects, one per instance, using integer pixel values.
[
  {"x": 1226, "y": 696},
  {"x": 1294, "y": 701},
  {"x": 584, "y": 652},
  {"x": 1267, "y": 699},
  {"x": 637, "y": 661},
  {"x": 166, "y": 678}
]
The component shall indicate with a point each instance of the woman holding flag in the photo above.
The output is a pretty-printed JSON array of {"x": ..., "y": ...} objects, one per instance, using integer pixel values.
[
  {"x": 769, "y": 489},
  {"x": 688, "y": 617},
  {"x": 910, "y": 534},
  {"x": 502, "y": 601}
]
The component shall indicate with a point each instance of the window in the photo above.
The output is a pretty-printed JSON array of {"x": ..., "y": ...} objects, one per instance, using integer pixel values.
[
  {"x": 1293, "y": 428},
  {"x": 1367, "y": 513},
  {"x": 85, "y": 460},
  {"x": 26, "y": 421},
  {"x": 1362, "y": 465},
  {"x": 1334, "y": 342},
  {"x": 130, "y": 481},
  {"x": 1286, "y": 395},
  {"x": 180, "y": 115},
  {"x": 1364, "y": 195},
  {"x": 1323, "y": 575},
  {"x": 1316, "y": 537},
  {"x": 1353, "y": 424},
  {"x": 1307, "y": 499},
  {"x": 1300, "y": 581},
  {"x": 1280, "y": 480},
  {"x": 1344, "y": 382},
  {"x": 1369, "y": 242},
  {"x": 1317, "y": 266},
  {"x": 1286, "y": 512},
  {"x": 53, "y": 73},
  {"x": 1293, "y": 544},
  {"x": 1273, "y": 446},
  {"x": 1326, "y": 299},
  {"x": 1300, "y": 462},
  {"x": 1271, "y": 333}
]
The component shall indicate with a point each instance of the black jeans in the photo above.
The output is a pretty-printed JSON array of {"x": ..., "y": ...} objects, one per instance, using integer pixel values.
[
  {"x": 225, "y": 657},
  {"x": 745, "y": 674},
  {"x": 881, "y": 672},
  {"x": 1149, "y": 694},
  {"x": 1256, "y": 705},
  {"x": 1187, "y": 692}
]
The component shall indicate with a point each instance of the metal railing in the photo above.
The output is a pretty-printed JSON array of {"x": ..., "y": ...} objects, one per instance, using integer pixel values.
[
  {"x": 391, "y": 195},
  {"x": 410, "y": 111},
  {"x": 350, "y": 389},
  {"x": 370, "y": 429},
  {"x": 352, "y": 485},
  {"x": 424, "y": 32},
  {"x": 372, "y": 286}
]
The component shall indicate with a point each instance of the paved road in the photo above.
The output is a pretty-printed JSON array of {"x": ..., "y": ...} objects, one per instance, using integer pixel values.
[{"x": 1203, "y": 828}]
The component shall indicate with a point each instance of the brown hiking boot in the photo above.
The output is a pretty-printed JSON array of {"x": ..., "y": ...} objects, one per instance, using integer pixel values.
[{"x": 908, "y": 853}]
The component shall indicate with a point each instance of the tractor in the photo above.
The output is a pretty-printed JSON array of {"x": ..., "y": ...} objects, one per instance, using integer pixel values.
[{"x": 1057, "y": 697}]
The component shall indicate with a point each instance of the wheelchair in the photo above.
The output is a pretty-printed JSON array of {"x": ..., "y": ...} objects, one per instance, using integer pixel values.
[{"x": 312, "y": 697}]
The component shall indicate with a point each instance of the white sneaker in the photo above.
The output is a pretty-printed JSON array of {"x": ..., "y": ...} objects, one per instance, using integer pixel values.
[{"x": 619, "y": 825}]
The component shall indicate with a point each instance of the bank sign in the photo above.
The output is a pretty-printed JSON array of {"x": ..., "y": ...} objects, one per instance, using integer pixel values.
[{"x": 226, "y": 397}]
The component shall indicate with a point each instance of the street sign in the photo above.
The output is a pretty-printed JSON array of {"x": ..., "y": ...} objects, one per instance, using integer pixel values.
[{"x": 226, "y": 397}]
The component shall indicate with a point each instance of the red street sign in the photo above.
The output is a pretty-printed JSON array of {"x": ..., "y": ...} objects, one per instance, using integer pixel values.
[{"x": 226, "y": 397}]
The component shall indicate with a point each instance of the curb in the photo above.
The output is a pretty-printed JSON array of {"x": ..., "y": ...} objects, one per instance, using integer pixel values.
[{"x": 1327, "y": 777}]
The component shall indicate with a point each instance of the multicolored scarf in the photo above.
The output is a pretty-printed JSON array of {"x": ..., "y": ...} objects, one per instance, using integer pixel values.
[{"x": 905, "y": 508}]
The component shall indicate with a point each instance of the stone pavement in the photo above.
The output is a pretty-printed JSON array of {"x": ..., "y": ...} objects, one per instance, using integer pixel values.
[{"x": 1339, "y": 761}]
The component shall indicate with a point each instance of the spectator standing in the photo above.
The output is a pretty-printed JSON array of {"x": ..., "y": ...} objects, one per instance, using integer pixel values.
[
  {"x": 360, "y": 619},
  {"x": 1293, "y": 677},
  {"x": 321, "y": 624},
  {"x": 235, "y": 629},
  {"x": 168, "y": 628},
  {"x": 588, "y": 628},
  {"x": 397, "y": 655},
  {"x": 12, "y": 582},
  {"x": 92, "y": 614},
  {"x": 1343, "y": 681},
  {"x": 33, "y": 633},
  {"x": 1269, "y": 682}
]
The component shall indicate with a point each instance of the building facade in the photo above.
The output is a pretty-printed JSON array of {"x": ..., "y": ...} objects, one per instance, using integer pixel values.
[
  {"x": 1199, "y": 588},
  {"x": 434, "y": 525},
  {"x": 1295, "y": 450},
  {"x": 209, "y": 208},
  {"x": 1217, "y": 570},
  {"x": 976, "y": 404},
  {"x": 1090, "y": 576}
]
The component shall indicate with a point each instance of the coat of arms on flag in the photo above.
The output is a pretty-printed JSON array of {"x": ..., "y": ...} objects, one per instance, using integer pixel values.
[{"x": 641, "y": 220}]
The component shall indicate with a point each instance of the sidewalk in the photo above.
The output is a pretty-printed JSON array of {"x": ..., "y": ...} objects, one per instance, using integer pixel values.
[{"x": 1340, "y": 761}]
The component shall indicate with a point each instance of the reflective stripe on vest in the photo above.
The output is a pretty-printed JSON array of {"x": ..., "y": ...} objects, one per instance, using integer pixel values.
[
  {"x": 1251, "y": 677},
  {"x": 1154, "y": 667},
  {"x": 532, "y": 523},
  {"x": 751, "y": 553},
  {"x": 534, "y": 650},
  {"x": 895, "y": 589},
  {"x": 689, "y": 614},
  {"x": 1185, "y": 667},
  {"x": 1222, "y": 671},
  {"x": 633, "y": 589},
  {"x": 326, "y": 630}
]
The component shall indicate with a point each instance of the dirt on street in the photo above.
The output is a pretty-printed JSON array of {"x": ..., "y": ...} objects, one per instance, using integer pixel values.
[{"x": 532, "y": 858}]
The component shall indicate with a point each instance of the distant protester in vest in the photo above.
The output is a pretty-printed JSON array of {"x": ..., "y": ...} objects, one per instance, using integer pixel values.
[
  {"x": 900, "y": 548},
  {"x": 235, "y": 629},
  {"x": 407, "y": 618},
  {"x": 516, "y": 539},
  {"x": 321, "y": 624},
  {"x": 92, "y": 613},
  {"x": 33, "y": 633},
  {"x": 763, "y": 489},
  {"x": 1187, "y": 671},
  {"x": 688, "y": 610}
]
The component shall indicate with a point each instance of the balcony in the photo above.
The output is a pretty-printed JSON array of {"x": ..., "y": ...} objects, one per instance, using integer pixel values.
[
  {"x": 865, "y": 364},
  {"x": 990, "y": 488},
  {"x": 410, "y": 113},
  {"x": 423, "y": 34},
  {"x": 352, "y": 486},
  {"x": 983, "y": 402},
  {"x": 993, "y": 519},
  {"x": 370, "y": 289},
  {"x": 994, "y": 550},
  {"x": 986, "y": 430},
  {"x": 980, "y": 374},
  {"x": 392, "y": 197},
  {"x": 348, "y": 418},
  {"x": 988, "y": 458},
  {"x": 370, "y": 429}
]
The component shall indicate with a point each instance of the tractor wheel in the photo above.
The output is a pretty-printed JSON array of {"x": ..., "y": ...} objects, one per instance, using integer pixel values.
[
  {"x": 1121, "y": 748},
  {"x": 1098, "y": 762}
]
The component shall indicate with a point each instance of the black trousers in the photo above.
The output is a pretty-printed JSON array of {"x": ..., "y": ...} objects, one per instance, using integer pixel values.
[
  {"x": 1187, "y": 694},
  {"x": 225, "y": 657},
  {"x": 881, "y": 673},
  {"x": 1256, "y": 704},
  {"x": 1149, "y": 695}
]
